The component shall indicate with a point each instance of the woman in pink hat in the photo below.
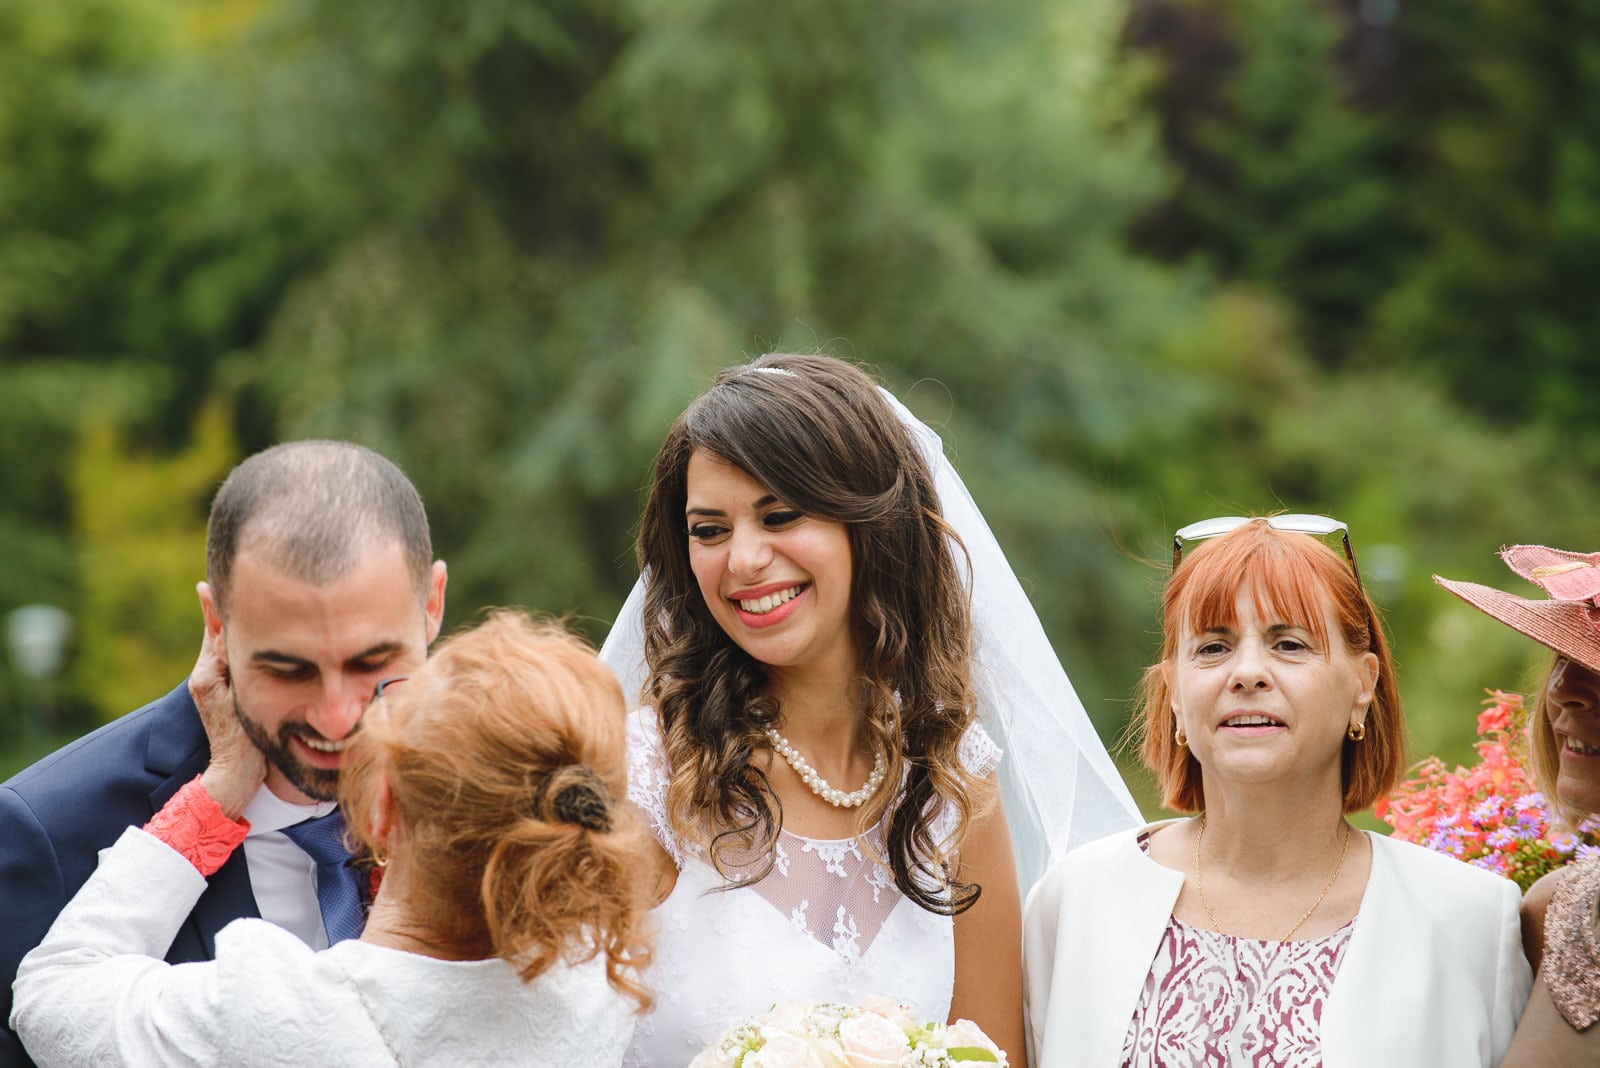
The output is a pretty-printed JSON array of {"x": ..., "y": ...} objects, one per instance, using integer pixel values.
[{"x": 1560, "y": 931}]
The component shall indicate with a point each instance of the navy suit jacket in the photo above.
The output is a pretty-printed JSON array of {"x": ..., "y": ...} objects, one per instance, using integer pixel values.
[{"x": 57, "y": 815}]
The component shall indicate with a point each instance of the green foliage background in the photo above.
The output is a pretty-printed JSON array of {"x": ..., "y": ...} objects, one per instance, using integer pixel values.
[{"x": 1139, "y": 263}]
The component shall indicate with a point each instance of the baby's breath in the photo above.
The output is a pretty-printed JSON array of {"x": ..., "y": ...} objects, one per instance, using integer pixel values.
[{"x": 927, "y": 1043}]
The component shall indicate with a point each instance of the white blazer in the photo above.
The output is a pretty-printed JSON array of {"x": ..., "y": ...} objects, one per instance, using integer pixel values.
[{"x": 1433, "y": 973}]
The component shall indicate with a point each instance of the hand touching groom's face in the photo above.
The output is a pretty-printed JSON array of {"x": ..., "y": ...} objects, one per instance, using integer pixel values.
[{"x": 302, "y": 658}]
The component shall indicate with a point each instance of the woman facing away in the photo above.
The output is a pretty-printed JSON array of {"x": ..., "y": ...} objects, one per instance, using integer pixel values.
[
  {"x": 810, "y": 759},
  {"x": 1561, "y": 912},
  {"x": 1266, "y": 930},
  {"x": 506, "y": 929}
]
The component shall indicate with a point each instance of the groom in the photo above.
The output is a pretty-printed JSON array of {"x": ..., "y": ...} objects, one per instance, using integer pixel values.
[{"x": 322, "y": 583}]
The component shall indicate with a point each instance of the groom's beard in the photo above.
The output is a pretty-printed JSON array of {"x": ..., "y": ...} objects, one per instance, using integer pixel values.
[{"x": 318, "y": 783}]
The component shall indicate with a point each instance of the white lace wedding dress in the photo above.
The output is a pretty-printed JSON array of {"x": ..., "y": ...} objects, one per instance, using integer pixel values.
[{"x": 827, "y": 924}]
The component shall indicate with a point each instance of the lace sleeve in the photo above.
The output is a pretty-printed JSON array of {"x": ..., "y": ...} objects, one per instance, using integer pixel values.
[
  {"x": 978, "y": 753},
  {"x": 981, "y": 757},
  {"x": 192, "y": 823},
  {"x": 648, "y": 776}
]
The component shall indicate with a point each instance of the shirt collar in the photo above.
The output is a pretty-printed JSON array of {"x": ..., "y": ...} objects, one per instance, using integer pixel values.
[{"x": 269, "y": 812}]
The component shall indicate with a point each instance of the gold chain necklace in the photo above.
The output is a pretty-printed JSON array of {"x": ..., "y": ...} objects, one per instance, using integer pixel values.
[{"x": 1200, "y": 837}]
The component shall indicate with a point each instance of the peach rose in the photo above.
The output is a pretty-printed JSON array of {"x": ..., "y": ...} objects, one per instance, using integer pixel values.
[{"x": 871, "y": 1041}]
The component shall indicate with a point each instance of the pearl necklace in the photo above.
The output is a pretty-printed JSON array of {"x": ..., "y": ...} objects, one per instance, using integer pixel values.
[
  {"x": 1343, "y": 849},
  {"x": 821, "y": 786}
]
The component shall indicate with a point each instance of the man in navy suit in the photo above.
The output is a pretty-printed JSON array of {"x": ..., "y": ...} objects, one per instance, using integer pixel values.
[{"x": 321, "y": 583}]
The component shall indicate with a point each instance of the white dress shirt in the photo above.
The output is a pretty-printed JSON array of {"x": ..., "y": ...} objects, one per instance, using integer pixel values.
[{"x": 283, "y": 877}]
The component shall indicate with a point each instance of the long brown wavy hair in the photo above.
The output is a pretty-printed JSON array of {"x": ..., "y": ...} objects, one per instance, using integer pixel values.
[
  {"x": 816, "y": 433},
  {"x": 505, "y": 755}
]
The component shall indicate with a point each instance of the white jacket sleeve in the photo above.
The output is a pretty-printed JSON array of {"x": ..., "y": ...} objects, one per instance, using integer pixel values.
[
  {"x": 96, "y": 990},
  {"x": 1513, "y": 977}
]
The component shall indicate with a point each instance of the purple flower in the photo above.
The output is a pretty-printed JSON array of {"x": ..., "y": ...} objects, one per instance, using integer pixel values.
[
  {"x": 1446, "y": 841},
  {"x": 1487, "y": 812},
  {"x": 1564, "y": 842},
  {"x": 1500, "y": 839}
]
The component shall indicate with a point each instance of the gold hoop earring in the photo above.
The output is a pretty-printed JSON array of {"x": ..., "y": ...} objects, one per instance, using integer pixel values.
[
  {"x": 1181, "y": 738},
  {"x": 1356, "y": 732}
]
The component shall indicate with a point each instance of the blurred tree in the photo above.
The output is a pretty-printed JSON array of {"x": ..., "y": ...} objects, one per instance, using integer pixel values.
[
  {"x": 110, "y": 293},
  {"x": 558, "y": 220},
  {"x": 1505, "y": 198},
  {"x": 505, "y": 243},
  {"x": 140, "y": 524},
  {"x": 1275, "y": 112}
]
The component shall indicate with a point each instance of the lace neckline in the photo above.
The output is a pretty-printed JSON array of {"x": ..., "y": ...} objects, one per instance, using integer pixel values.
[{"x": 784, "y": 831}]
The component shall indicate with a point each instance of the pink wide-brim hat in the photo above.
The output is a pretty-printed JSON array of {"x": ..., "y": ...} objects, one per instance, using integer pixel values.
[{"x": 1568, "y": 621}]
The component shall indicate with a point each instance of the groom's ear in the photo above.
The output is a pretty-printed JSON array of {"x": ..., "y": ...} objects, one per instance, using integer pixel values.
[
  {"x": 434, "y": 609},
  {"x": 211, "y": 615}
]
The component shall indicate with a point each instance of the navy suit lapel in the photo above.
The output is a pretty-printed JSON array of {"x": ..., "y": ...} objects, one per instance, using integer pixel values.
[{"x": 228, "y": 897}]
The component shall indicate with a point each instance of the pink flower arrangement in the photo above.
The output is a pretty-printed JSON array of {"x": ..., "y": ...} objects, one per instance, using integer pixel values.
[{"x": 1491, "y": 814}]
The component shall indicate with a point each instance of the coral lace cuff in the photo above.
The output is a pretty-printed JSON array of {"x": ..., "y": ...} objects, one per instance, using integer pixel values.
[{"x": 195, "y": 825}]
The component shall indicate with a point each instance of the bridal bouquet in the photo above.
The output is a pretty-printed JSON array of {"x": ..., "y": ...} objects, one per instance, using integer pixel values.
[
  {"x": 878, "y": 1033},
  {"x": 1489, "y": 814}
]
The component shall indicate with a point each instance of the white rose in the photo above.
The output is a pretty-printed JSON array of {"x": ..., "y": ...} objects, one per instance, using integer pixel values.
[
  {"x": 965, "y": 1033},
  {"x": 784, "y": 1050},
  {"x": 707, "y": 1058},
  {"x": 871, "y": 1041},
  {"x": 786, "y": 1015}
]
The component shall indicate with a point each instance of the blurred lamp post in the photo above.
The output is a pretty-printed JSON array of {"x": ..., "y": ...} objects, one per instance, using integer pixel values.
[{"x": 36, "y": 638}]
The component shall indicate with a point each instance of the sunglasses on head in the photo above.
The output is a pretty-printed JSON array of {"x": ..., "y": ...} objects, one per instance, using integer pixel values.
[{"x": 1299, "y": 524}]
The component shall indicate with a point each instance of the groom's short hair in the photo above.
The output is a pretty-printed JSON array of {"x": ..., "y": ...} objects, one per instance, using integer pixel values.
[{"x": 316, "y": 508}]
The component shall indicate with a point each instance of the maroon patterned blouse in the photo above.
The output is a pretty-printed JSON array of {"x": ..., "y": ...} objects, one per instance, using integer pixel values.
[{"x": 1214, "y": 999}]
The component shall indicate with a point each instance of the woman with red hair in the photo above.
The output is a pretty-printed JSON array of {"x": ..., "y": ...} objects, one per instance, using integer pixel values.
[
  {"x": 1265, "y": 929},
  {"x": 508, "y": 928}
]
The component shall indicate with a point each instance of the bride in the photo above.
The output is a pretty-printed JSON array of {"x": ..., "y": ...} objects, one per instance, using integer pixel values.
[{"x": 811, "y": 758}]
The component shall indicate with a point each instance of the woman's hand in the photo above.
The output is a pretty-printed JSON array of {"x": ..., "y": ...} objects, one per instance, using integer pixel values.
[{"x": 237, "y": 768}]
